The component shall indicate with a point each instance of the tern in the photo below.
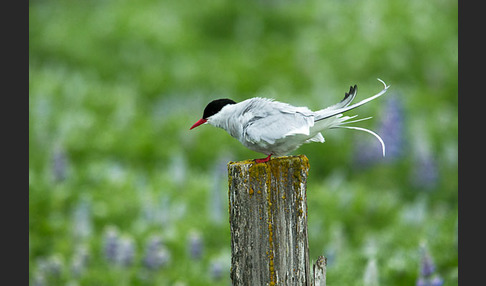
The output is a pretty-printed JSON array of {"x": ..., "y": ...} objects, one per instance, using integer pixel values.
[{"x": 276, "y": 128}]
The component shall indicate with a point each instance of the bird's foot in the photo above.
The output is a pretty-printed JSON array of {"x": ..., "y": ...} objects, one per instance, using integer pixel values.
[{"x": 264, "y": 160}]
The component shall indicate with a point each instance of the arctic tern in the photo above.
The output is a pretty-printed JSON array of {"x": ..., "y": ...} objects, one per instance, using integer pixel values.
[{"x": 275, "y": 128}]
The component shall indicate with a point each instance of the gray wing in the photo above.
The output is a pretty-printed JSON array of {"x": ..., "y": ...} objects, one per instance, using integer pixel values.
[{"x": 272, "y": 120}]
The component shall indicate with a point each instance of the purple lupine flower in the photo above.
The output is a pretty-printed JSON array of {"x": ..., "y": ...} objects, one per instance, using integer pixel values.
[
  {"x": 111, "y": 243},
  {"x": 119, "y": 250},
  {"x": 437, "y": 281},
  {"x": 126, "y": 251},
  {"x": 427, "y": 267},
  {"x": 156, "y": 254},
  {"x": 427, "y": 275},
  {"x": 421, "y": 282},
  {"x": 391, "y": 129},
  {"x": 195, "y": 246}
]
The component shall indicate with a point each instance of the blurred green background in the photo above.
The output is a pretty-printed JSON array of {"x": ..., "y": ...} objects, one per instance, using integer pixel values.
[{"x": 122, "y": 193}]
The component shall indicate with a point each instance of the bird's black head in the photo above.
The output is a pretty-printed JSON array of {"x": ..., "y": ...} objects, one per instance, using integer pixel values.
[{"x": 215, "y": 106}]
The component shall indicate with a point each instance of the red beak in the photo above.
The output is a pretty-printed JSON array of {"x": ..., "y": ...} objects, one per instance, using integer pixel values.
[{"x": 199, "y": 122}]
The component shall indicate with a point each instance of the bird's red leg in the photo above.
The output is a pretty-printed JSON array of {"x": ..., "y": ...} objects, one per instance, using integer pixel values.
[{"x": 263, "y": 160}]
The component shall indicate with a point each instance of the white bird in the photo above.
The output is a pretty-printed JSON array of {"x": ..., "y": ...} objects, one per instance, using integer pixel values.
[{"x": 275, "y": 128}]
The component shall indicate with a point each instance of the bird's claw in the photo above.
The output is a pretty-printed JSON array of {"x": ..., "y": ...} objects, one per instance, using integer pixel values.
[{"x": 264, "y": 160}]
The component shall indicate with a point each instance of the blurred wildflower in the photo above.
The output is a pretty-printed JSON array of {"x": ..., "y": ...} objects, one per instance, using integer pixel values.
[
  {"x": 370, "y": 276},
  {"x": 391, "y": 130},
  {"x": 126, "y": 251},
  {"x": 147, "y": 209},
  {"x": 39, "y": 279},
  {"x": 427, "y": 266},
  {"x": 118, "y": 249},
  {"x": 391, "y": 127},
  {"x": 364, "y": 154},
  {"x": 195, "y": 245},
  {"x": 425, "y": 173},
  {"x": 397, "y": 261},
  {"x": 52, "y": 266},
  {"x": 79, "y": 261},
  {"x": 48, "y": 270},
  {"x": 216, "y": 270},
  {"x": 178, "y": 168},
  {"x": 436, "y": 281},
  {"x": 427, "y": 270},
  {"x": 156, "y": 210},
  {"x": 156, "y": 254},
  {"x": 111, "y": 243},
  {"x": 82, "y": 226},
  {"x": 216, "y": 196},
  {"x": 59, "y": 164}
]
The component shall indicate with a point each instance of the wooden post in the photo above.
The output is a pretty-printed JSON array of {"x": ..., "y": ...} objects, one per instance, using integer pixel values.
[
  {"x": 268, "y": 220},
  {"x": 319, "y": 270}
]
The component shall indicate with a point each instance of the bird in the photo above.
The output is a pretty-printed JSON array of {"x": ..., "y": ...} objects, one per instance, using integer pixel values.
[{"x": 275, "y": 128}]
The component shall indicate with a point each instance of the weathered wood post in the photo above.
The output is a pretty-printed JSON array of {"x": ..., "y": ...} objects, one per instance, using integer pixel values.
[
  {"x": 268, "y": 220},
  {"x": 319, "y": 272}
]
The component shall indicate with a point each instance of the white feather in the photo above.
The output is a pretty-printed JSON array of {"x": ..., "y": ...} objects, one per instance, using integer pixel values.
[{"x": 370, "y": 132}]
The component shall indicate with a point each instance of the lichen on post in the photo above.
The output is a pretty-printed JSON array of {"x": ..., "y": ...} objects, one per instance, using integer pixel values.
[{"x": 268, "y": 221}]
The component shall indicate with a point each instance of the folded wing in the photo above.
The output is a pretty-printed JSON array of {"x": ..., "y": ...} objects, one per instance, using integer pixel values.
[{"x": 278, "y": 120}]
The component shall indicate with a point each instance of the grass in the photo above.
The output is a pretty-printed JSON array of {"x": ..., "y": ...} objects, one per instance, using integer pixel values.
[{"x": 115, "y": 85}]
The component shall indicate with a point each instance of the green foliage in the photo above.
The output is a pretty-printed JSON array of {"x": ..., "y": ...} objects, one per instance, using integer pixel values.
[{"x": 115, "y": 85}]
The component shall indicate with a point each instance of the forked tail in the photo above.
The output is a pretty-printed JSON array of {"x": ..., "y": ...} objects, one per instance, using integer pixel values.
[{"x": 339, "y": 120}]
